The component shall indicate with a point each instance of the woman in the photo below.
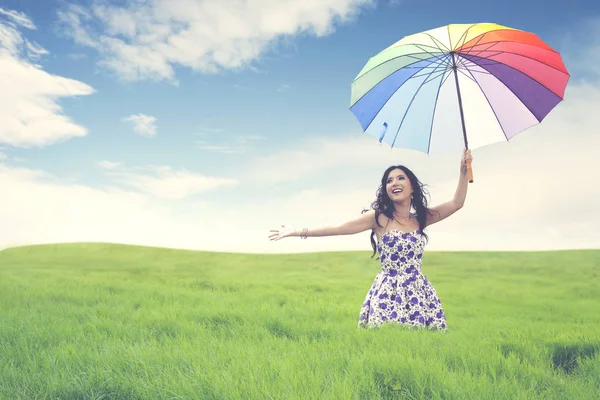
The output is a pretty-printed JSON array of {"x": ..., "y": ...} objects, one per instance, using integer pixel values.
[{"x": 400, "y": 293}]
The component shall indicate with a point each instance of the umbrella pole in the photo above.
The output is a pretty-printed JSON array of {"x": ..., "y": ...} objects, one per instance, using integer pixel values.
[{"x": 462, "y": 116}]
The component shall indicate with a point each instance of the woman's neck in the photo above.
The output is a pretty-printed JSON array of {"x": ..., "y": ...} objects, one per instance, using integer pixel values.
[{"x": 402, "y": 211}]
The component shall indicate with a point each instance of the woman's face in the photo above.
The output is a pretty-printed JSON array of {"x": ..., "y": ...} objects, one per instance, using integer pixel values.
[{"x": 398, "y": 186}]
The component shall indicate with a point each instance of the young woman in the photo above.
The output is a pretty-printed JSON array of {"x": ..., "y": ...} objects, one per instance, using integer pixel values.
[{"x": 400, "y": 293}]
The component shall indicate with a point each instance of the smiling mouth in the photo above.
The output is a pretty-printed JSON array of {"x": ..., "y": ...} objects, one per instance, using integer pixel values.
[{"x": 396, "y": 191}]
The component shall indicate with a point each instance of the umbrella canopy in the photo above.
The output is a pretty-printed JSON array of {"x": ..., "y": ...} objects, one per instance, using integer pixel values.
[{"x": 456, "y": 86}]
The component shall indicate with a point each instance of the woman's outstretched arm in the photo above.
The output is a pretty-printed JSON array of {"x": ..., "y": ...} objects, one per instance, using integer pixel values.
[
  {"x": 448, "y": 208},
  {"x": 359, "y": 224}
]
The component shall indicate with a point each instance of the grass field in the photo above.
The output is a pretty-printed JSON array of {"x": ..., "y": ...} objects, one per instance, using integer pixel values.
[{"x": 99, "y": 321}]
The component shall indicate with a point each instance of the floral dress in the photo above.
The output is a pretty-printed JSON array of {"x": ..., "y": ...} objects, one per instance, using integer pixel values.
[{"x": 400, "y": 293}]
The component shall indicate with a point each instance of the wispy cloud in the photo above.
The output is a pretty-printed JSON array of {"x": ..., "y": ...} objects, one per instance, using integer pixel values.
[
  {"x": 163, "y": 181},
  {"x": 143, "y": 125},
  {"x": 29, "y": 109},
  {"x": 145, "y": 40},
  {"x": 313, "y": 156},
  {"x": 235, "y": 145},
  {"x": 244, "y": 139},
  {"x": 108, "y": 164},
  {"x": 208, "y": 131},
  {"x": 217, "y": 149},
  {"x": 35, "y": 51},
  {"x": 16, "y": 18}
]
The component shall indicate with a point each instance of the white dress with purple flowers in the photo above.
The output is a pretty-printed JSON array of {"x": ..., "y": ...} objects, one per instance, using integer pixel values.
[{"x": 400, "y": 293}]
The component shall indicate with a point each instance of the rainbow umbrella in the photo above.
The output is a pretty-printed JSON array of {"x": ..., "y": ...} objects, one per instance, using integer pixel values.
[{"x": 500, "y": 80}]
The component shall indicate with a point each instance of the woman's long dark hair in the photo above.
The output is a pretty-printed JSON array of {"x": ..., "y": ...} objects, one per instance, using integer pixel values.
[{"x": 384, "y": 205}]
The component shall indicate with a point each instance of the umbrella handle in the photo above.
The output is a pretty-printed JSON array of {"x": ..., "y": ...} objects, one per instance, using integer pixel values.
[{"x": 470, "y": 171}]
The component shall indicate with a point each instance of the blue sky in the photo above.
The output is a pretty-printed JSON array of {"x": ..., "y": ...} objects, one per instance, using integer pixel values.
[{"x": 240, "y": 142}]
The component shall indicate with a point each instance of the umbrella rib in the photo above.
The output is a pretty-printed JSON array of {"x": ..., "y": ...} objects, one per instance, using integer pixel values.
[
  {"x": 547, "y": 48},
  {"x": 435, "y": 77},
  {"x": 420, "y": 67},
  {"x": 415, "y": 57},
  {"x": 479, "y": 72},
  {"x": 514, "y": 69},
  {"x": 394, "y": 58},
  {"x": 409, "y": 54},
  {"x": 517, "y": 96},
  {"x": 478, "y": 40},
  {"x": 417, "y": 75},
  {"x": 447, "y": 76},
  {"x": 464, "y": 63},
  {"x": 364, "y": 94},
  {"x": 437, "y": 95},
  {"x": 375, "y": 116},
  {"x": 408, "y": 108},
  {"x": 463, "y": 36},
  {"x": 487, "y": 61},
  {"x": 466, "y": 67},
  {"x": 418, "y": 59},
  {"x": 466, "y": 76},
  {"x": 446, "y": 49},
  {"x": 494, "y": 53},
  {"x": 490, "y": 104},
  {"x": 491, "y": 44},
  {"x": 498, "y": 52},
  {"x": 425, "y": 51},
  {"x": 429, "y": 74}
]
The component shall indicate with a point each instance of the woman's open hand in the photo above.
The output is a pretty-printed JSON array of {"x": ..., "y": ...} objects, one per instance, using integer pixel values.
[{"x": 285, "y": 231}]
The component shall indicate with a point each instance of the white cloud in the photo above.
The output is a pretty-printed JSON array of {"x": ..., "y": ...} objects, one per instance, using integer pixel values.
[
  {"x": 146, "y": 40},
  {"x": 248, "y": 138},
  {"x": 316, "y": 155},
  {"x": 144, "y": 125},
  {"x": 108, "y": 164},
  {"x": 208, "y": 131},
  {"x": 217, "y": 149},
  {"x": 162, "y": 181},
  {"x": 16, "y": 18},
  {"x": 35, "y": 51},
  {"x": 29, "y": 109},
  {"x": 40, "y": 211},
  {"x": 235, "y": 145}
]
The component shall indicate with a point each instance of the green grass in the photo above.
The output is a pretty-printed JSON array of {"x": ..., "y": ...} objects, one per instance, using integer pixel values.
[{"x": 99, "y": 321}]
